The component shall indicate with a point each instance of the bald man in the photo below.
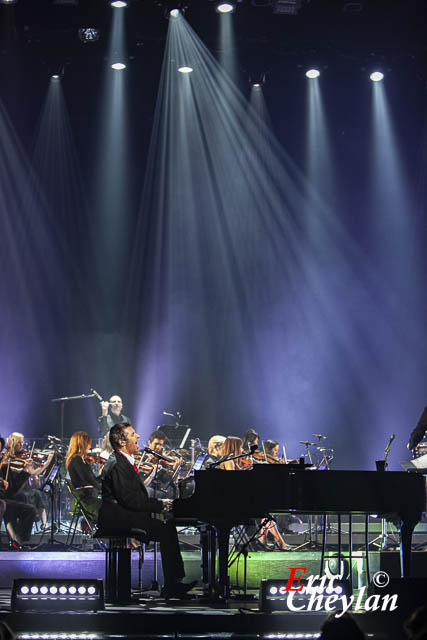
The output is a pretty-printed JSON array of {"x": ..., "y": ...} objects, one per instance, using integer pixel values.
[{"x": 111, "y": 415}]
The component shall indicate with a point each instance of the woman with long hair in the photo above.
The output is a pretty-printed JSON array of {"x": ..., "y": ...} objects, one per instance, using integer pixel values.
[
  {"x": 84, "y": 484},
  {"x": 249, "y": 438},
  {"x": 231, "y": 446}
]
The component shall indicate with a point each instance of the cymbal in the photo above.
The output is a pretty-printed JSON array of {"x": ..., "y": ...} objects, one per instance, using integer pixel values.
[
  {"x": 319, "y": 435},
  {"x": 307, "y": 443}
]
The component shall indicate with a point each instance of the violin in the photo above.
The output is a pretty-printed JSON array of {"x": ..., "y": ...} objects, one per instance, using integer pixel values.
[{"x": 20, "y": 459}]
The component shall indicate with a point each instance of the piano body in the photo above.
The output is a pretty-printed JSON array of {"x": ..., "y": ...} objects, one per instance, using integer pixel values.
[{"x": 225, "y": 499}]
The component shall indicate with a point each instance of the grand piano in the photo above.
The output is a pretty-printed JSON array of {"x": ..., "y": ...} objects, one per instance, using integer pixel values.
[{"x": 225, "y": 499}]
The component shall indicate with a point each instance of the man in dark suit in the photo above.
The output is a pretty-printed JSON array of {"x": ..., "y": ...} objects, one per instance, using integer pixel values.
[{"x": 126, "y": 504}]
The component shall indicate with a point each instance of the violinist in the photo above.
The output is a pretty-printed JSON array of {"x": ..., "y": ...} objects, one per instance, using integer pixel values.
[
  {"x": 156, "y": 441},
  {"x": 249, "y": 438},
  {"x": 214, "y": 450},
  {"x": 160, "y": 479},
  {"x": 16, "y": 468},
  {"x": 271, "y": 448},
  {"x": 84, "y": 483},
  {"x": 270, "y": 451},
  {"x": 106, "y": 448},
  {"x": 3, "y": 484},
  {"x": 231, "y": 446}
]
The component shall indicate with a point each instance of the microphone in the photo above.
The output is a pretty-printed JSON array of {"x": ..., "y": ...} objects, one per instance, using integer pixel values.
[
  {"x": 154, "y": 453},
  {"x": 212, "y": 465},
  {"x": 96, "y": 394},
  {"x": 387, "y": 449}
]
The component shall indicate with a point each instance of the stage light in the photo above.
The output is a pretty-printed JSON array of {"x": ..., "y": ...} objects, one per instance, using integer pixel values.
[
  {"x": 225, "y": 7},
  {"x": 118, "y": 66},
  {"x": 275, "y": 596},
  {"x": 60, "y": 595},
  {"x": 312, "y": 73},
  {"x": 174, "y": 13},
  {"x": 8, "y": 1},
  {"x": 118, "y": 4},
  {"x": 376, "y": 76},
  {"x": 286, "y": 7},
  {"x": 185, "y": 69},
  {"x": 88, "y": 34}
]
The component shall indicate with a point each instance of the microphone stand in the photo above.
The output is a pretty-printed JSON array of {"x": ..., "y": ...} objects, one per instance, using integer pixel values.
[
  {"x": 212, "y": 465},
  {"x": 381, "y": 465},
  {"x": 82, "y": 396}
]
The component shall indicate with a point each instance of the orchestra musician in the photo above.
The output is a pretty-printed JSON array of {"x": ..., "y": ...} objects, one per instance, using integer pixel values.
[
  {"x": 234, "y": 447},
  {"x": 160, "y": 479},
  {"x": 19, "y": 516},
  {"x": 111, "y": 415},
  {"x": 106, "y": 448},
  {"x": 249, "y": 438},
  {"x": 84, "y": 483},
  {"x": 125, "y": 501},
  {"x": 419, "y": 431},
  {"x": 214, "y": 450},
  {"x": 156, "y": 440},
  {"x": 3, "y": 485},
  {"x": 271, "y": 448},
  {"x": 231, "y": 446}
]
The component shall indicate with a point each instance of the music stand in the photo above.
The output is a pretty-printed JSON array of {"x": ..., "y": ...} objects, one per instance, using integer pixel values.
[
  {"x": 176, "y": 434},
  {"x": 52, "y": 486}
]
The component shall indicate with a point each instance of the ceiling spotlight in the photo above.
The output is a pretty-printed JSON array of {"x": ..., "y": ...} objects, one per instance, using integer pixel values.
[
  {"x": 286, "y": 7},
  {"x": 55, "y": 77},
  {"x": 225, "y": 7},
  {"x": 8, "y": 1},
  {"x": 118, "y": 4},
  {"x": 173, "y": 8},
  {"x": 185, "y": 69},
  {"x": 89, "y": 34},
  {"x": 312, "y": 73},
  {"x": 376, "y": 76},
  {"x": 118, "y": 66}
]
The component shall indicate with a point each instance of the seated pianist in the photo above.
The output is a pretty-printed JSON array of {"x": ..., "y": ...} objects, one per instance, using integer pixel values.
[{"x": 125, "y": 502}]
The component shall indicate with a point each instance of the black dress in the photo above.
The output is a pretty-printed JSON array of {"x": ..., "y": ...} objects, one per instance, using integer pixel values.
[{"x": 85, "y": 486}]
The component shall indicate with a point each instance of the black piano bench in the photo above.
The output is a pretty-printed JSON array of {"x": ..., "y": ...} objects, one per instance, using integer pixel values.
[{"x": 118, "y": 567}]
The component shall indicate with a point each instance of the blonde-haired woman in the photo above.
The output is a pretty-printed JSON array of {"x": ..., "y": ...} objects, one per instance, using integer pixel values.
[
  {"x": 83, "y": 481},
  {"x": 20, "y": 513}
]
